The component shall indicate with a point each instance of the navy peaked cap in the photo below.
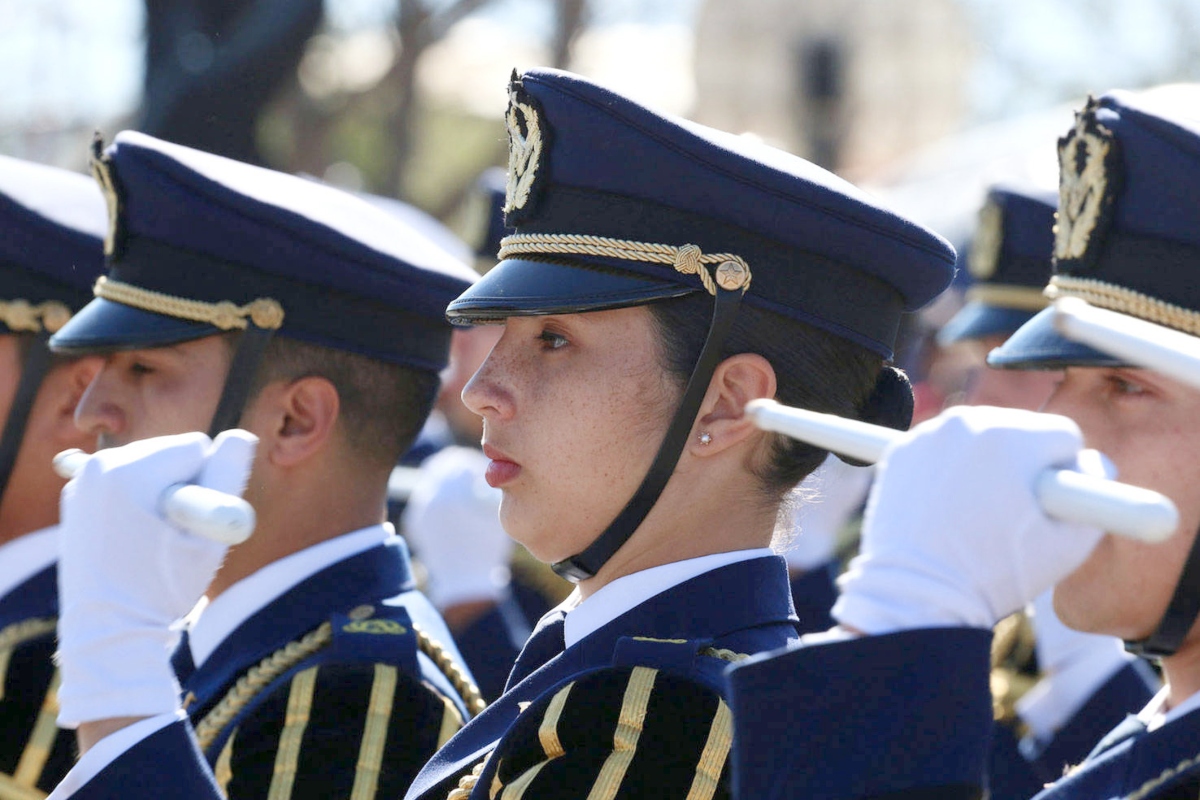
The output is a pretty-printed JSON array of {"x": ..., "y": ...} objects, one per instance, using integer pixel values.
[
  {"x": 1010, "y": 262},
  {"x": 199, "y": 244},
  {"x": 594, "y": 178},
  {"x": 52, "y": 225},
  {"x": 1127, "y": 235}
]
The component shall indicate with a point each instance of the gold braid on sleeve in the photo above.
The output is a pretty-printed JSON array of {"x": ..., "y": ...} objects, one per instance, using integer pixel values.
[
  {"x": 467, "y": 690},
  {"x": 270, "y": 668},
  {"x": 256, "y": 679}
]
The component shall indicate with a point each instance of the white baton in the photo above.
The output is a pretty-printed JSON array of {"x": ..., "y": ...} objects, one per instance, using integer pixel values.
[
  {"x": 199, "y": 510},
  {"x": 1141, "y": 343},
  {"x": 1071, "y": 496}
]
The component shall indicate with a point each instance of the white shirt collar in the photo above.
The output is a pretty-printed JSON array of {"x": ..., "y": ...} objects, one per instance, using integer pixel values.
[
  {"x": 1154, "y": 714},
  {"x": 26, "y": 556},
  {"x": 211, "y": 625},
  {"x": 629, "y": 591}
]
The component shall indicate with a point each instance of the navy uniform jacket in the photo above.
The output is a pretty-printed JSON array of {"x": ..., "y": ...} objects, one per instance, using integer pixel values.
[
  {"x": 1129, "y": 762},
  {"x": 634, "y": 709},
  {"x": 908, "y": 715},
  {"x": 1015, "y": 772},
  {"x": 34, "y": 753},
  {"x": 300, "y": 702},
  {"x": 814, "y": 592}
]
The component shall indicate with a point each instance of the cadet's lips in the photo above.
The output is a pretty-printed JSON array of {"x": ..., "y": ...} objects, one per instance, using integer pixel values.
[{"x": 501, "y": 470}]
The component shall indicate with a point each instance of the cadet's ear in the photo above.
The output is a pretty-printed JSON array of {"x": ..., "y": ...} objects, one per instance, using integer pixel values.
[
  {"x": 722, "y": 422},
  {"x": 298, "y": 418}
]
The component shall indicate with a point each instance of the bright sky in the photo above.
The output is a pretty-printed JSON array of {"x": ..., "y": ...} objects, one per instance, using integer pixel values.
[{"x": 77, "y": 63}]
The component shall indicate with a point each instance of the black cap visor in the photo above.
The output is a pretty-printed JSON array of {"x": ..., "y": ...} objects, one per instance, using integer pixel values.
[
  {"x": 103, "y": 326},
  {"x": 519, "y": 287},
  {"x": 1037, "y": 345},
  {"x": 980, "y": 320}
]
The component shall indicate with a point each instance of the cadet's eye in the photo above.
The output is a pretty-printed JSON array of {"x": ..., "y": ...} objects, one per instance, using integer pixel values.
[
  {"x": 551, "y": 340},
  {"x": 1122, "y": 386},
  {"x": 138, "y": 368}
]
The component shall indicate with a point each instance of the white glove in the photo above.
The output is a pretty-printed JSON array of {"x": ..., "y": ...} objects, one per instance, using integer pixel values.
[
  {"x": 1074, "y": 666},
  {"x": 125, "y": 574},
  {"x": 953, "y": 533},
  {"x": 452, "y": 522},
  {"x": 819, "y": 508}
]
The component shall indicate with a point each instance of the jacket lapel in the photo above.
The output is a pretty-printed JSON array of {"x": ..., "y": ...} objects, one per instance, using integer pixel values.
[{"x": 753, "y": 593}]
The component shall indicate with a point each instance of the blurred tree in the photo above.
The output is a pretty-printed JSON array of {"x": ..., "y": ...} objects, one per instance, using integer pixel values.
[
  {"x": 570, "y": 18},
  {"x": 212, "y": 65},
  {"x": 230, "y": 76},
  {"x": 419, "y": 23}
]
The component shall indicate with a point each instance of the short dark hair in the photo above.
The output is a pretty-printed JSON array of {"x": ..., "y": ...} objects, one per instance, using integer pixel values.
[
  {"x": 814, "y": 369},
  {"x": 382, "y": 405}
]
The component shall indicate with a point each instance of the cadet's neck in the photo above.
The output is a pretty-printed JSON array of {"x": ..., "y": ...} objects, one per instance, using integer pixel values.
[
  {"x": 297, "y": 509},
  {"x": 701, "y": 512}
]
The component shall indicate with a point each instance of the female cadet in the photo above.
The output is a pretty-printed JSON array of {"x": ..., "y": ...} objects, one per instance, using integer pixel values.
[{"x": 661, "y": 276}]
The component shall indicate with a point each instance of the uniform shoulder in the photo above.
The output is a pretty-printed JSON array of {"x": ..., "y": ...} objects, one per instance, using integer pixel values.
[
  {"x": 628, "y": 731},
  {"x": 347, "y": 655},
  {"x": 336, "y": 729}
]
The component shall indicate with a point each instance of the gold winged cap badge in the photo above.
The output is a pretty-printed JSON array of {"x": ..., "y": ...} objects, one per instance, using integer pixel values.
[
  {"x": 1083, "y": 185},
  {"x": 524, "y": 152}
]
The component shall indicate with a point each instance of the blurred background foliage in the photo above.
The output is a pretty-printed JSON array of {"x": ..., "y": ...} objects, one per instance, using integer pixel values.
[{"x": 925, "y": 101}]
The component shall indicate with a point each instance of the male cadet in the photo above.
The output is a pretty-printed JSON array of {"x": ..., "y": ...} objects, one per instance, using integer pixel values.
[
  {"x": 1057, "y": 691},
  {"x": 955, "y": 540},
  {"x": 242, "y": 296},
  {"x": 51, "y": 226}
]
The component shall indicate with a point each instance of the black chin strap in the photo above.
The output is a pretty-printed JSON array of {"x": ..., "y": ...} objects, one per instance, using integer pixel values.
[
  {"x": 588, "y": 563},
  {"x": 242, "y": 370},
  {"x": 33, "y": 371},
  {"x": 1180, "y": 615}
]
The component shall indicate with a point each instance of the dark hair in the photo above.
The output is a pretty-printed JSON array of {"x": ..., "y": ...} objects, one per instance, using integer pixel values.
[
  {"x": 814, "y": 369},
  {"x": 382, "y": 405}
]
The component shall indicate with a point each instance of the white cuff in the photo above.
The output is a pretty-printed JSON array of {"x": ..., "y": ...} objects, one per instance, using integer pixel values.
[{"x": 108, "y": 750}]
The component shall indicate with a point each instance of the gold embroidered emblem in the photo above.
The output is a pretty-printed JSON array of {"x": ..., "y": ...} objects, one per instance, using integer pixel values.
[
  {"x": 525, "y": 142},
  {"x": 375, "y": 626},
  {"x": 102, "y": 171},
  {"x": 1086, "y": 156},
  {"x": 989, "y": 237}
]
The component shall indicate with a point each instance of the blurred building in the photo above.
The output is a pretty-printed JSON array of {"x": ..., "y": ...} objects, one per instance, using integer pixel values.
[{"x": 849, "y": 84}]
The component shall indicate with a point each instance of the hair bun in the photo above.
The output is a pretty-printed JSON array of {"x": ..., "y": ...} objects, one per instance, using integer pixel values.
[{"x": 890, "y": 405}]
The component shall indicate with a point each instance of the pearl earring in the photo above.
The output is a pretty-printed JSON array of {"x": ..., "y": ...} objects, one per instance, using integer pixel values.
[{"x": 706, "y": 438}]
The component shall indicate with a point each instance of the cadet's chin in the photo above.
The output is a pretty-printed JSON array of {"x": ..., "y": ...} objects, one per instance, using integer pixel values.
[{"x": 1086, "y": 604}]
